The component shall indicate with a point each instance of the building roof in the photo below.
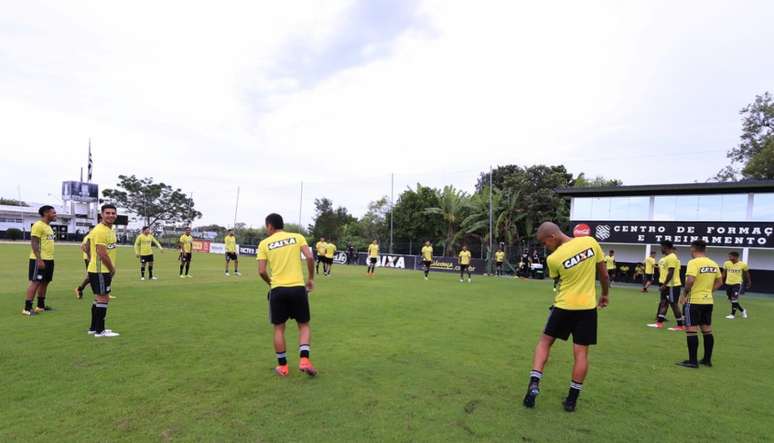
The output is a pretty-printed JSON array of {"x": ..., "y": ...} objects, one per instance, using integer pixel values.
[{"x": 740, "y": 187}]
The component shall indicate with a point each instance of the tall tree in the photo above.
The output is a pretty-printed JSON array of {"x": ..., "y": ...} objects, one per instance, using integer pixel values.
[
  {"x": 755, "y": 152},
  {"x": 374, "y": 224},
  {"x": 452, "y": 206},
  {"x": 152, "y": 202},
  {"x": 328, "y": 222},
  {"x": 581, "y": 181},
  {"x": 411, "y": 222}
]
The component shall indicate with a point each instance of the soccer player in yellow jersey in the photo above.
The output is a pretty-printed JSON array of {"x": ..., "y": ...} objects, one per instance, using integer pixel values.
[
  {"x": 319, "y": 248},
  {"x": 330, "y": 250},
  {"x": 610, "y": 265},
  {"x": 464, "y": 258},
  {"x": 735, "y": 272},
  {"x": 85, "y": 253},
  {"x": 650, "y": 269},
  {"x": 670, "y": 284},
  {"x": 373, "y": 257},
  {"x": 185, "y": 245},
  {"x": 499, "y": 261},
  {"x": 289, "y": 296},
  {"x": 231, "y": 252},
  {"x": 102, "y": 268},
  {"x": 576, "y": 262},
  {"x": 143, "y": 249},
  {"x": 702, "y": 277},
  {"x": 41, "y": 264},
  {"x": 427, "y": 257}
]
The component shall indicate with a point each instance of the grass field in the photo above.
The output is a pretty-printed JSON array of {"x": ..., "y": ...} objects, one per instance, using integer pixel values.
[{"x": 400, "y": 359}]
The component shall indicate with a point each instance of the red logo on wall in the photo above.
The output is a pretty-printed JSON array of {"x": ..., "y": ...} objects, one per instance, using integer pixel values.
[{"x": 581, "y": 230}]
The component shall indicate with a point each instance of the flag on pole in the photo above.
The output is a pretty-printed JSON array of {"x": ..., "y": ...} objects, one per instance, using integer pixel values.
[{"x": 90, "y": 164}]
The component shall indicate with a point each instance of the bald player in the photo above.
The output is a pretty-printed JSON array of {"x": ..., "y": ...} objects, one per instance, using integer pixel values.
[{"x": 575, "y": 262}]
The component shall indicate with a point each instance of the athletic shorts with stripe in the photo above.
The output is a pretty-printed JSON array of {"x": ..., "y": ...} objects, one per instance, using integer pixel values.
[{"x": 100, "y": 282}]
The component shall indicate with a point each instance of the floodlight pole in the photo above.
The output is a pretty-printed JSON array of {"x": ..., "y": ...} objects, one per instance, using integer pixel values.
[
  {"x": 236, "y": 208},
  {"x": 392, "y": 207},
  {"x": 300, "y": 205},
  {"x": 491, "y": 219}
]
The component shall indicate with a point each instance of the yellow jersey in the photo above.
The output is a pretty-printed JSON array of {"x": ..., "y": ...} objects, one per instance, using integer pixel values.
[
  {"x": 734, "y": 272},
  {"x": 187, "y": 243},
  {"x": 102, "y": 235},
  {"x": 282, "y": 251},
  {"x": 500, "y": 256},
  {"x": 671, "y": 261},
  {"x": 575, "y": 265},
  {"x": 662, "y": 270},
  {"x": 330, "y": 249},
  {"x": 230, "y": 242},
  {"x": 45, "y": 234},
  {"x": 373, "y": 251},
  {"x": 704, "y": 271},
  {"x": 143, "y": 245},
  {"x": 650, "y": 265},
  {"x": 464, "y": 257},
  {"x": 427, "y": 253},
  {"x": 320, "y": 248},
  {"x": 610, "y": 262},
  {"x": 83, "y": 242}
]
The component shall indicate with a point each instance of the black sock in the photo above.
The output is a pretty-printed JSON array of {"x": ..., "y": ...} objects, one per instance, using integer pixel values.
[
  {"x": 303, "y": 351},
  {"x": 150, "y": 271},
  {"x": 236, "y": 268},
  {"x": 142, "y": 272},
  {"x": 535, "y": 376},
  {"x": 426, "y": 272},
  {"x": 282, "y": 358},
  {"x": 27, "y": 305},
  {"x": 181, "y": 269},
  {"x": 93, "y": 326},
  {"x": 101, "y": 311},
  {"x": 187, "y": 266},
  {"x": 693, "y": 347},
  {"x": 41, "y": 302},
  {"x": 575, "y": 389},
  {"x": 709, "y": 343},
  {"x": 680, "y": 321}
]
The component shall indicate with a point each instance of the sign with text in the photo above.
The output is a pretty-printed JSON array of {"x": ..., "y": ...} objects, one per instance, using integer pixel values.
[
  {"x": 728, "y": 234},
  {"x": 201, "y": 245}
]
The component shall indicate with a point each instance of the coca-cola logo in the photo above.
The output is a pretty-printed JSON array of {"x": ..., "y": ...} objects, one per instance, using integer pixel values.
[{"x": 581, "y": 230}]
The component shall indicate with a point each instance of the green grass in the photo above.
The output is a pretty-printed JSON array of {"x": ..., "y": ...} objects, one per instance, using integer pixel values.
[{"x": 400, "y": 359}]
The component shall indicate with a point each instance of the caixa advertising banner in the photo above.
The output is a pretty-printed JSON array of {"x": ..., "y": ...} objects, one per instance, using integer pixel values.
[
  {"x": 728, "y": 234},
  {"x": 413, "y": 262},
  {"x": 247, "y": 250},
  {"x": 397, "y": 261}
]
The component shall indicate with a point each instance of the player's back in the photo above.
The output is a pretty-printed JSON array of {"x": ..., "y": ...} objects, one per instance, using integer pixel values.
[
  {"x": 575, "y": 264},
  {"x": 282, "y": 251}
]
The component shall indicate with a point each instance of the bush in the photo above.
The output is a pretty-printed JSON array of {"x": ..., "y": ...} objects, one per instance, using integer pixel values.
[{"x": 13, "y": 234}]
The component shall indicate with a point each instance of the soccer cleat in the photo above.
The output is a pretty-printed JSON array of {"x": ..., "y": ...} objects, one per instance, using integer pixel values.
[
  {"x": 677, "y": 328},
  {"x": 228, "y": 275},
  {"x": 744, "y": 313},
  {"x": 111, "y": 296},
  {"x": 154, "y": 278},
  {"x": 569, "y": 405},
  {"x": 730, "y": 316},
  {"x": 182, "y": 276},
  {"x": 468, "y": 280},
  {"x": 306, "y": 367},
  {"x": 107, "y": 333},
  {"x": 238, "y": 274},
  {"x": 281, "y": 370},
  {"x": 532, "y": 392},
  {"x": 39, "y": 310},
  {"x": 425, "y": 278},
  {"x": 462, "y": 281},
  {"x": 688, "y": 364},
  {"x": 78, "y": 293},
  {"x": 657, "y": 325},
  {"x": 705, "y": 362},
  {"x": 90, "y": 332},
  {"x": 142, "y": 278},
  {"x": 188, "y": 276},
  {"x": 28, "y": 313}
]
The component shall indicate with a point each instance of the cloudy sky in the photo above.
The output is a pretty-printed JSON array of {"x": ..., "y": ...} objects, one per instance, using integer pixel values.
[{"x": 340, "y": 94}]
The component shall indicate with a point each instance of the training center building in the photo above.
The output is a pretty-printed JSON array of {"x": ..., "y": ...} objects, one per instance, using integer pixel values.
[{"x": 633, "y": 220}]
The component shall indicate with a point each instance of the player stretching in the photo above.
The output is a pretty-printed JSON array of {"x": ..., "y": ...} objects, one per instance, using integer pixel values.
[
  {"x": 85, "y": 253},
  {"x": 733, "y": 271},
  {"x": 102, "y": 268},
  {"x": 288, "y": 297},
  {"x": 143, "y": 249},
  {"x": 499, "y": 260},
  {"x": 185, "y": 245},
  {"x": 427, "y": 257},
  {"x": 702, "y": 277},
  {"x": 575, "y": 262},
  {"x": 41, "y": 263},
  {"x": 231, "y": 252},
  {"x": 650, "y": 268},
  {"x": 373, "y": 256},
  {"x": 464, "y": 258},
  {"x": 319, "y": 248},
  {"x": 669, "y": 276}
]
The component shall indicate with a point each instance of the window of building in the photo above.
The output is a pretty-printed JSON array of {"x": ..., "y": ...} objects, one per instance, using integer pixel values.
[
  {"x": 611, "y": 208},
  {"x": 763, "y": 207},
  {"x": 726, "y": 207}
]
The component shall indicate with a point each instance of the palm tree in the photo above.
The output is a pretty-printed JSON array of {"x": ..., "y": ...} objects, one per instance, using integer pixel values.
[
  {"x": 508, "y": 216},
  {"x": 477, "y": 223},
  {"x": 452, "y": 204}
]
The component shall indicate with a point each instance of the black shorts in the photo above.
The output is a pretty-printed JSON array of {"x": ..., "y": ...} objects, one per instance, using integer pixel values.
[
  {"x": 697, "y": 314},
  {"x": 231, "y": 256},
  {"x": 427, "y": 263},
  {"x": 670, "y": 294},
  {"x": 320, "y": 258},
  {"x": 100, "y": 282},
  {"x": 329, "y": 260},
  {"x": 648, "y": 277},
  {"x": 499, "y": 264},
  {"x": 582, "y": 324},
  {"x": 146, "y": 259},
  {"x": 185, "y": 257},
  {"x": 372, "y": 260},
  {"x": 287, "y": 303},
  {"x": 86, "y": 263},
  {"x": 733, "y": 291},
  {"x": 464, "y": 268},
  {"x": 40, "y": 275}
]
